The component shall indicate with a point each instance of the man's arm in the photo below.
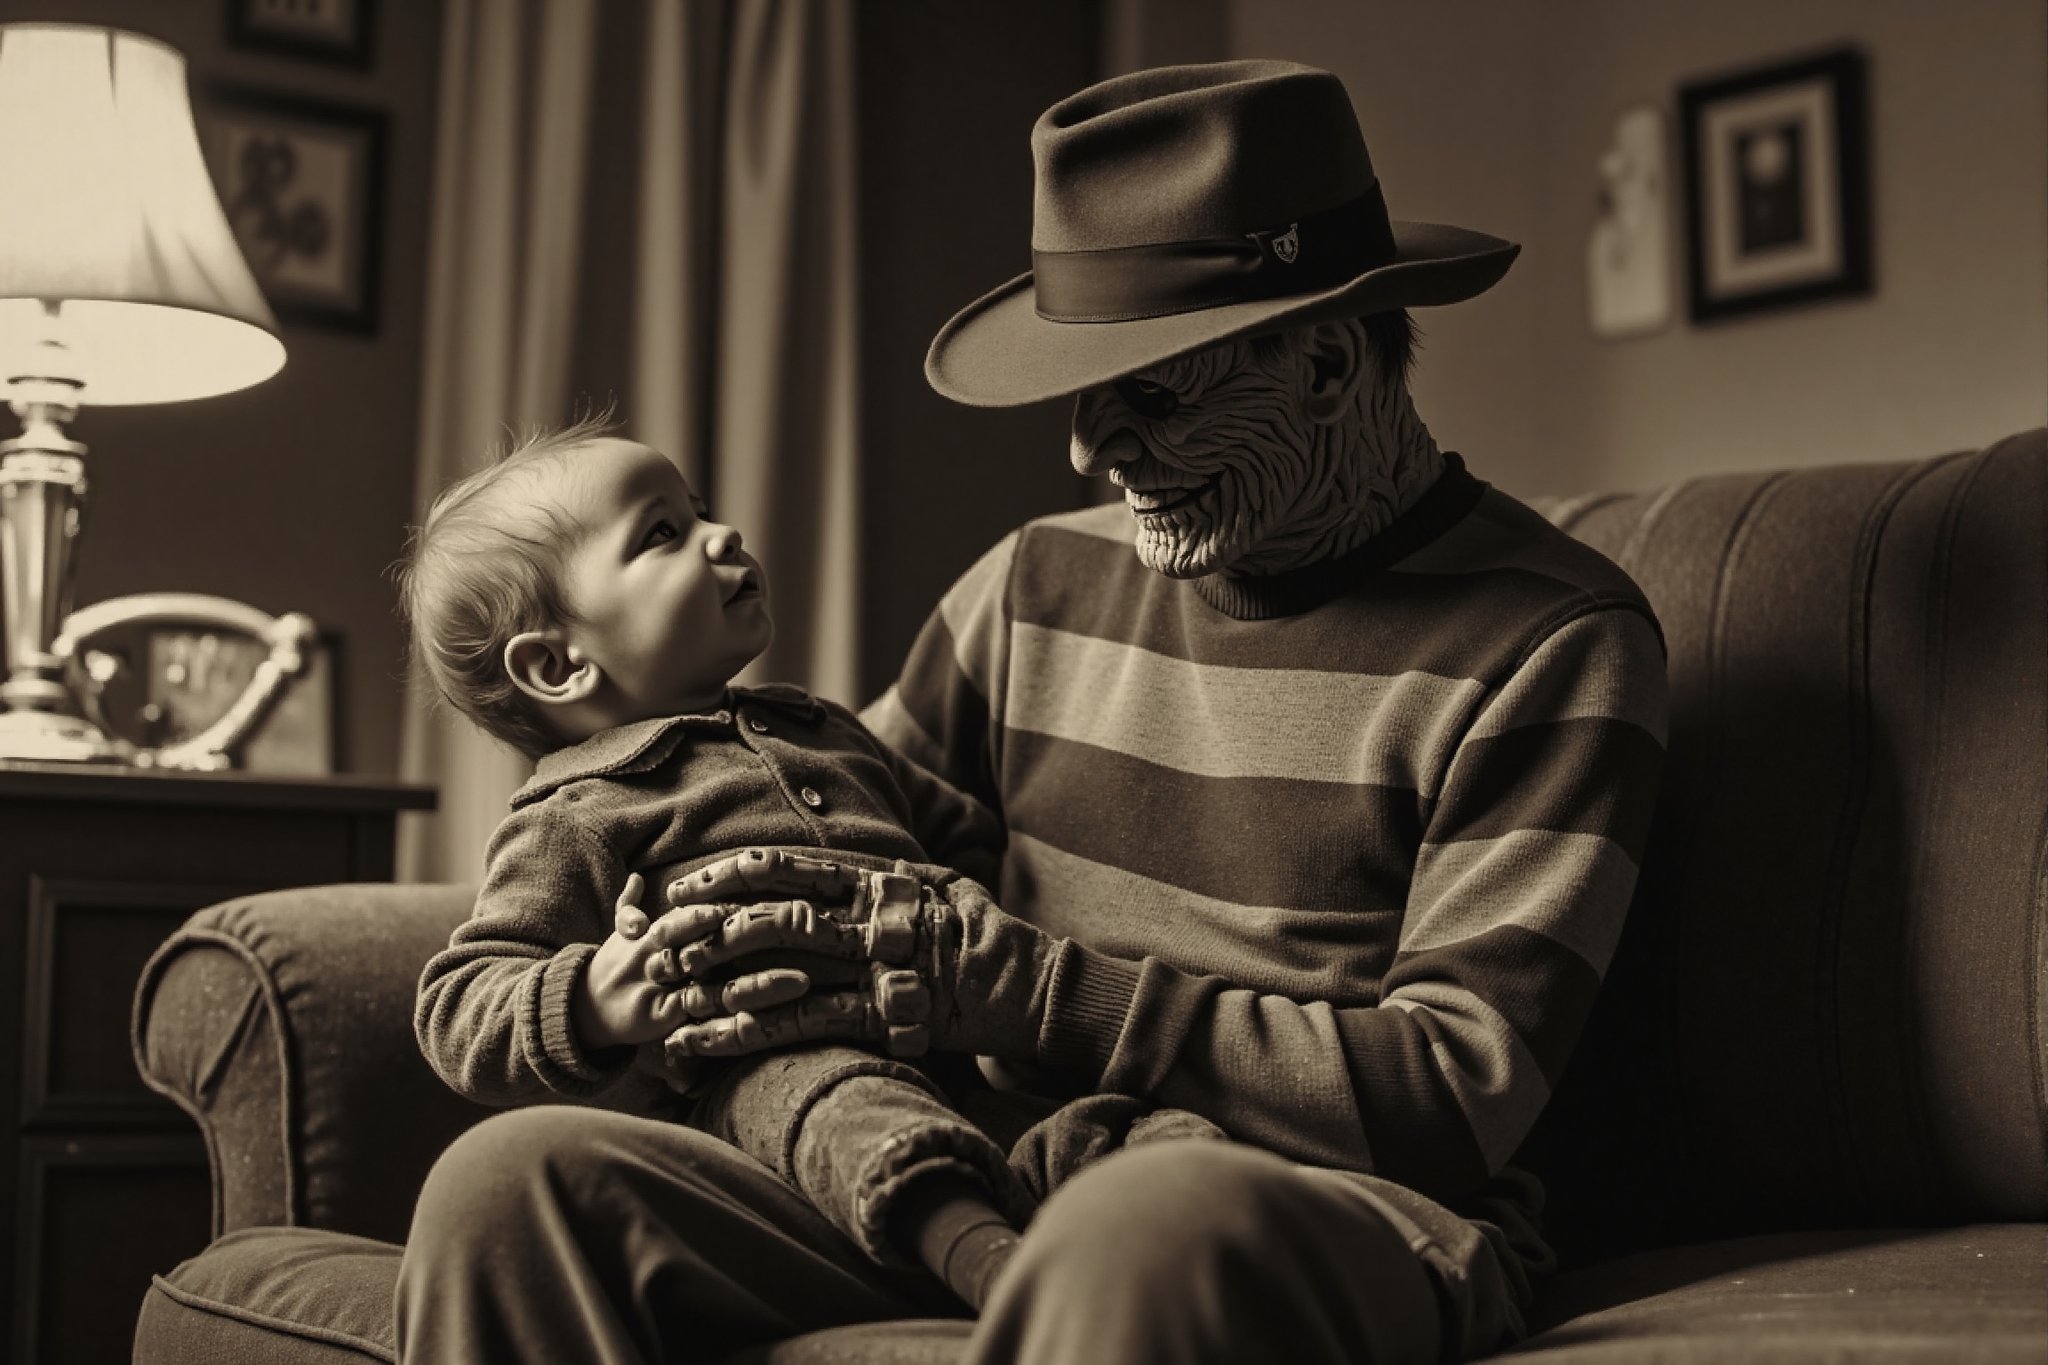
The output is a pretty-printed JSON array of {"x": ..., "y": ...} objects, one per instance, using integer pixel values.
[
  {"x": 955, "y": 829},
  {"x": 938, "y": 710},
  {"x": 1527, "y": 866}
]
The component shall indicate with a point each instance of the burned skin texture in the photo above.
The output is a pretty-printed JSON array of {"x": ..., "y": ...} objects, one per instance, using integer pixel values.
[{"x": 1266, "y": 461}]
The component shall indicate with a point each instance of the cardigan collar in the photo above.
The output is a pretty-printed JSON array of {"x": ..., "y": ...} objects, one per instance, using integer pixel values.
[{"x": 645, "y": 744}]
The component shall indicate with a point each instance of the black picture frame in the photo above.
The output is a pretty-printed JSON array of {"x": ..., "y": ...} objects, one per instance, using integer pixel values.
[
  {"x": 337, "y": 31},
  {"x": 302, "y": 182},
  {"x": 1777, "y": 174}
]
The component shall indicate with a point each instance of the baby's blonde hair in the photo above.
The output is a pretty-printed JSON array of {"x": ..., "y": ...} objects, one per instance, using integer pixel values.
[{"x": 485, "y": 566}]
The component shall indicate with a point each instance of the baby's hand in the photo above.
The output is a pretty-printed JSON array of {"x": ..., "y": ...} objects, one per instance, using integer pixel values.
[
  {"x": 628, "y": 919},
  {"x": 621, "y": 1004}
]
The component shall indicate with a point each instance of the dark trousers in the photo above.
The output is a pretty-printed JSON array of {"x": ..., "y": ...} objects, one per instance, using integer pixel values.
[{"x": 572, "y": 1236}]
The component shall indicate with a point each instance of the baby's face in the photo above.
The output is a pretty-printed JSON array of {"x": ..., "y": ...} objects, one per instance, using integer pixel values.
[{"x": 668, "y": 604}]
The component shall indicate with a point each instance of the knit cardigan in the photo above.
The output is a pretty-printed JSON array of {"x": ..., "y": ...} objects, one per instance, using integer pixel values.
[{"x": 1342, "y": 853}]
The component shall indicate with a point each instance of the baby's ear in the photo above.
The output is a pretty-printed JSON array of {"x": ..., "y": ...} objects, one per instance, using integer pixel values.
[{"x": 543, "y": 666}]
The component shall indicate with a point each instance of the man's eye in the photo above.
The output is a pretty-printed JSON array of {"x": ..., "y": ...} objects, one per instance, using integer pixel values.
[
  {"x": 1148, "y": 399},
  {"x": 663, "y": 530}
]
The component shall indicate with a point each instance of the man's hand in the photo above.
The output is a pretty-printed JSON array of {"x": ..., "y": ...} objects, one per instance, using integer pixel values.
[
  {"x": 875, "y": 916},
  {"x": 920, "y": 956},
  {"x": 890, "y": 1007},
  {"x": 623, "y": 1002}
]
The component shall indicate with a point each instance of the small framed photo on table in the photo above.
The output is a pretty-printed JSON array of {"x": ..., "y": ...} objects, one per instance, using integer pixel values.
[
  {"x": 303, "y": 185},
  {"x": 1777, "y": 168},
  {"x": 324, "y": 30}
]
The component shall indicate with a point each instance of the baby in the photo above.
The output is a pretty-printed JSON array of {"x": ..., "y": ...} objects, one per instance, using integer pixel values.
[{"x": 576, "y": 601}]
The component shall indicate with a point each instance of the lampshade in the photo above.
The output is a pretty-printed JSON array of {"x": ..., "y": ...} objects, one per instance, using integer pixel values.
[{"x": 117, "y": 265}]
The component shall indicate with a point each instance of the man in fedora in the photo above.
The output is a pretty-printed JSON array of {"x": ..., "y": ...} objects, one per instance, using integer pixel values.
[{"x": 1325, "y": 770}]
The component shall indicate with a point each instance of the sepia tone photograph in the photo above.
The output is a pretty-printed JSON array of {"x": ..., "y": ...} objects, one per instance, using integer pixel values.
[{"x": 1023, "y": 682}]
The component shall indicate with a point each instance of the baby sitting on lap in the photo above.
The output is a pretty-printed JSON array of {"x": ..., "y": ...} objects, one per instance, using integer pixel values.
[{"x": 575, "y": 601}]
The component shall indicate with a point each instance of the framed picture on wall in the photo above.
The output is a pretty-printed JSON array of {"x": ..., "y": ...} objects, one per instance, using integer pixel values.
[
  {"x": 1777, "y": 170},
  {"x": 324, "y": 30},
  {"x": 303, "y": 185}
]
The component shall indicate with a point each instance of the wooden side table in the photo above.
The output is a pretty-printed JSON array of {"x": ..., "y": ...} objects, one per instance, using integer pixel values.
[{"x": 103, "y": 1181}]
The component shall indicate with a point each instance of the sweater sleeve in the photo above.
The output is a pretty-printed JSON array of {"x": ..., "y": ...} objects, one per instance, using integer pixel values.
[
  {"x": 493, "y": 1010},
  {"x": 938, "y": 712},
  {"x": 1530, "y": 846},
  {"x": 1528, "y": 861},
  {"x": 956, "y": 830}
]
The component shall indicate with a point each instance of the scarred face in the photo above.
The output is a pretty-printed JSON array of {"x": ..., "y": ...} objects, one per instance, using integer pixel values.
[{"x": 1214, "y": 453}]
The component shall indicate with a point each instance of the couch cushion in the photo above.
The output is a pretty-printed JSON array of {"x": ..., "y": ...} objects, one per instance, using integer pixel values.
[
  {"x": 306, "y": 1296},
  {"x": 1954, "y": 1296},
  {"x": 914, "y": 1341},
  {"x": 1972, "y": 1296},
  {"x": 274, "y": 1296}
]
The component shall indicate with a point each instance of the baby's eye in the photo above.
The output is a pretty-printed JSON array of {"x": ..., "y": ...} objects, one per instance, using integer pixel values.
[
  {"x": 1147, "y": 399},
  {"x": 663, "y": 530}
]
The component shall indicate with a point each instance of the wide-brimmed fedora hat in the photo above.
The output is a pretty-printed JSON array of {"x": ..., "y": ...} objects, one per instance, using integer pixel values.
[{"x": 1182, "y": 206}]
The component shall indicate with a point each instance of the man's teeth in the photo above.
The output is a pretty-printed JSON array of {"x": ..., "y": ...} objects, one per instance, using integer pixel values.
[{"x": 1160, "y": 499}]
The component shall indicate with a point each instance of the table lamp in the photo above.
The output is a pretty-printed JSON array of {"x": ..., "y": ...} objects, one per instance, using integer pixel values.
[{"x": 120, "y": 282}]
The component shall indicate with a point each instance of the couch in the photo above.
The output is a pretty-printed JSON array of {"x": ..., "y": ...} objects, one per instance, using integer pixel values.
[{"x": 1808, "y": 1121}]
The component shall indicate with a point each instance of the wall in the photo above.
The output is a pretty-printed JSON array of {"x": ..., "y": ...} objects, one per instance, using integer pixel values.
[
  {"x": 948, "y": 94},
  {"x": 1494, "y": 115},
  {"x": 292, "y": 495},
  {"x": 1444, "y": 94}
]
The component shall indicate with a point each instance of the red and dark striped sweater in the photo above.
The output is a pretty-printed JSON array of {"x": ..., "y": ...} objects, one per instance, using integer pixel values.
[{"x": 1344, "y": 852}]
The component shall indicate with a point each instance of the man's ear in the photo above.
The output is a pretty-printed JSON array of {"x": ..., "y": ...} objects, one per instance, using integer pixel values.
[
  {"x": 1336, "y": 362},
  {"x": 549, "y": 669}
]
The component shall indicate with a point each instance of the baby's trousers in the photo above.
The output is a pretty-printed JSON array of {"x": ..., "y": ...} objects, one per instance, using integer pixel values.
[
  {"x": 581, "y": 1237},
  {"x": 851, "y": 1130}
]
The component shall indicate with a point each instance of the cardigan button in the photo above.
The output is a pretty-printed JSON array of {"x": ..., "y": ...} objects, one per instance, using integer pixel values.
[
  {"x": 811, "y": 797},
  {"x": 757, "y": 725},
  {"x": 722, "y": 717}
]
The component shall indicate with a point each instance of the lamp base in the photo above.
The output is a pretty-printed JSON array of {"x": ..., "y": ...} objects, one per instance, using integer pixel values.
[{"x": 49, "y": 737}]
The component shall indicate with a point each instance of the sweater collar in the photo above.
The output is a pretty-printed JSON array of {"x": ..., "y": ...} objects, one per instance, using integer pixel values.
[
  {"x": 645, "y": 744},
  {"x": 1265, "y": 597}
]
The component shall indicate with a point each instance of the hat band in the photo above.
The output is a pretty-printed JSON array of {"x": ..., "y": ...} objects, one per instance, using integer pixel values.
[{"x": 1317, "y": 251}]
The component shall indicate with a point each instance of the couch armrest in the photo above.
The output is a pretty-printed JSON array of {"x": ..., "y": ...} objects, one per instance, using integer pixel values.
[{"x": 282, "y": 1023}]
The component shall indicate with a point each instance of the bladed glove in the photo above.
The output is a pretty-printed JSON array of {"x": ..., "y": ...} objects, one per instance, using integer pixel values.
[{"x": 913, "y": 957}]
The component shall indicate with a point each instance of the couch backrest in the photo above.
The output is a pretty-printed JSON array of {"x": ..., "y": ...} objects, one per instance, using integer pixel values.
[{"x": 1827, "y": 1005}]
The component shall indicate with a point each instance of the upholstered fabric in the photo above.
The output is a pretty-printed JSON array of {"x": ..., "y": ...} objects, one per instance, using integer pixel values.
[
  {"x": 1974, "y": 1295},
  {"x": 1816, "y": 1066},
  {"x": 1826, "y": 1007},
  {"x": 283, "y": 1024},
  {"x": 274, "y": 1296},
  {"x": 933, "y": 1341}
]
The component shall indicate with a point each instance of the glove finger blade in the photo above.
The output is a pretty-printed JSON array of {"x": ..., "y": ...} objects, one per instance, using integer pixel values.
[
  {"x": 764, "y": 871},
  {"x": 772, "y": 925},
  {"x": 759, "y": 991}
]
